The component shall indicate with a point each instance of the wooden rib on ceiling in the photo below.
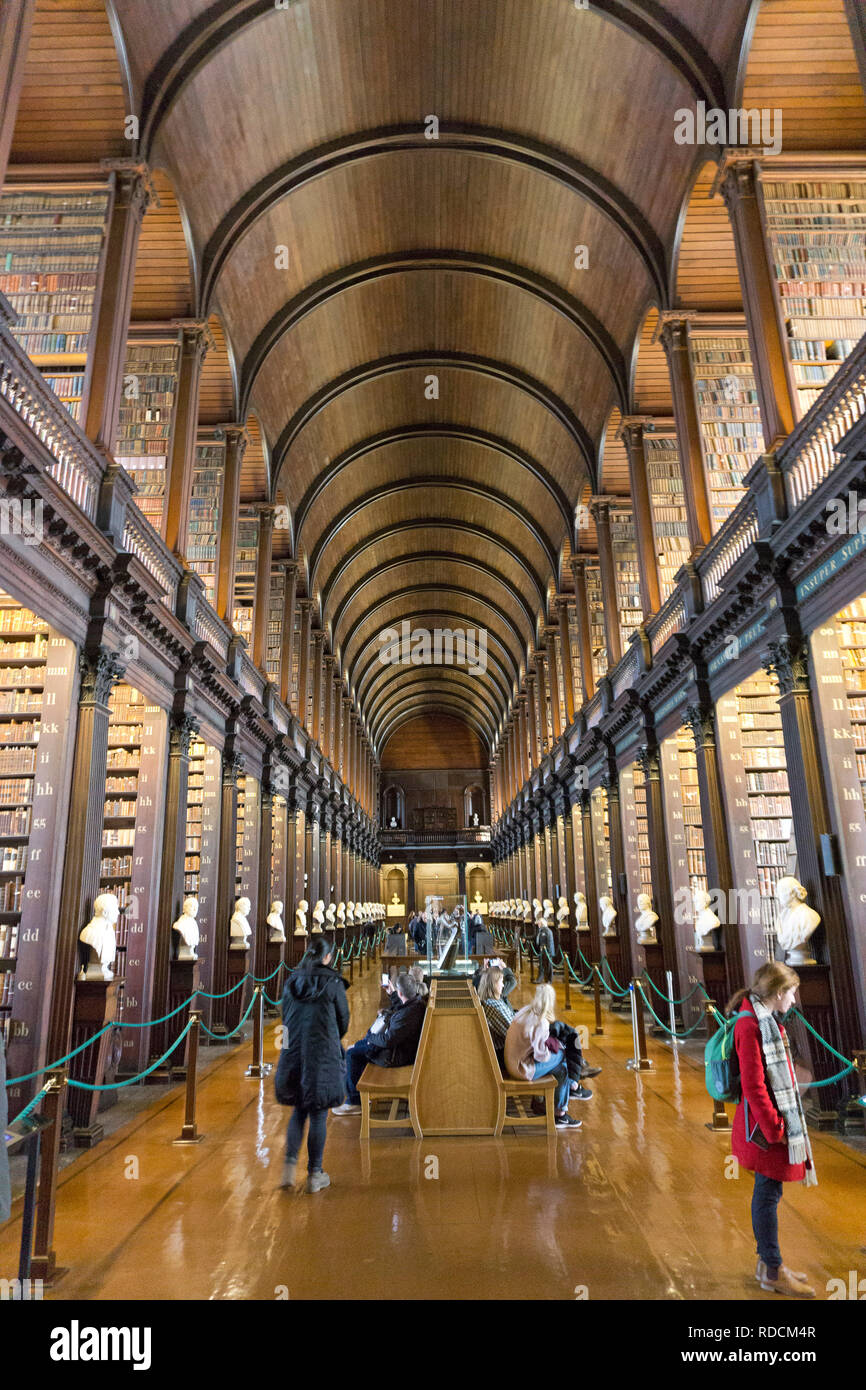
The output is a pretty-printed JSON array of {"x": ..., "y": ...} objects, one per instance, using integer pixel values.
[
  {"x": 585, "y": 533},
  {"x": 802, "y": 61},
  {"x": 163, "y": 288},
  {"x": 72, "y": 105},
  {"x": 216, "y": 403},
  {"x": 614, "y": 459},
  {"x": 652, "y": 381},
  {"x": 706, "y": 270},
  {"x": 254, "y": 472}
]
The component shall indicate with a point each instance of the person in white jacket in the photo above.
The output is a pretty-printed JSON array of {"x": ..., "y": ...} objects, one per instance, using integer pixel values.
[{"x": 528, "y": 1054}]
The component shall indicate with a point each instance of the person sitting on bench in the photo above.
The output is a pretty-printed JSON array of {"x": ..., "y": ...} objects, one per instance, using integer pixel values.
[
  {"x": 391, "y": 1042},
  {"x": 531, "y": 1052},
  {"x": 492, "y": 989},
  {"x": 509, "y": 979}
]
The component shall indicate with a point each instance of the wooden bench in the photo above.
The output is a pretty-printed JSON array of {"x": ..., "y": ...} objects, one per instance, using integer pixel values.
[
  {"x": 386, "y": 1083},
  {"x": 518, "y": 1090}
]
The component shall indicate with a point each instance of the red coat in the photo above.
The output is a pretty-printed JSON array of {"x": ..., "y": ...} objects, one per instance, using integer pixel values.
[{"x": 772, "y": 1162}]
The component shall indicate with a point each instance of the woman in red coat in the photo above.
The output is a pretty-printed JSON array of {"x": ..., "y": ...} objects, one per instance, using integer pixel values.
[{"x": 770, "y": 1136}]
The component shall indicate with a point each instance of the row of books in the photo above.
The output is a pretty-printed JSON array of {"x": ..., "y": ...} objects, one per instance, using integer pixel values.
[
  {"x": 13, "y": 858},
  {"x": 20, "y": 651},
  {"x": 17, "y": 760},
  {"x": 16, "y": 822},
  {"x": 8, "y": 940}
]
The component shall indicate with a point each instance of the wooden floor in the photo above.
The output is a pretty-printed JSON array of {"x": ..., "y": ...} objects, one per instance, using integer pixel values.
[{"x": 634, "y": 1205}]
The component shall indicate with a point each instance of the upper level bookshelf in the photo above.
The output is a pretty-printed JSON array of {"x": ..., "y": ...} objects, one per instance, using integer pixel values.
[
  {"x": 624, "y": 547},
  {"x": 726, "y": 396},
  {"x": 273, "y": 654},
  {"x": 243, "y": 602},
  {"x": 817, "y": 234},
  {"x": 146, "y": 421},
  {"x": 596, "y": 622},
  {"x": 50, "y": 250},
  {"x": 204, "y": 513},
  {"x": 668, "y": 506}
]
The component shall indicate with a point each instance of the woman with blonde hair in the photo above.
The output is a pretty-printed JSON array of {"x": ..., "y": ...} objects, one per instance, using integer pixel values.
[
  {"x": 770, "y": 1137},
  {"x": 530, "y": 1051}
]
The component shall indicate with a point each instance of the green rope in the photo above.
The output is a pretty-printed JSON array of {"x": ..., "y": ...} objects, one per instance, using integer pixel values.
[
  {"x": 22, "y": 1115},
  {"x": 615, "y": 988},
  {"x": 226, "y": 993},
  {"x": 222, "y": 1036},
  {"x": 830, "y": 1080},
  {"x": 275, "y": 1003},
  {"x": 684, "y": 1034},
  {"x": 14, "y": 1080},
  {"x": 574, "y": 974},
  {"x": 821, "y": 1040},
  {"x": 257, "y": 981},
  {"x": 118, "y": 1085},
  {"x": 674, "y": 1001},
  {"x": 584, "y": 959}
]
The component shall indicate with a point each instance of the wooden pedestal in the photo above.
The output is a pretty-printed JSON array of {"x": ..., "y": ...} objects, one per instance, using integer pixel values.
[
  {"x": 655, "y": 968},
  {"x": 183, "y": 978},
  {"x": 613, "y": 954},
  {"x": 239, "y": 964},
  {"x": 95, "y": 1005},
  {"x": 710, "y": 967},
  {"x": 296, "y": 946},
  {"x": 815, "y": 1003},
  {"x": 274, "y": 954}
]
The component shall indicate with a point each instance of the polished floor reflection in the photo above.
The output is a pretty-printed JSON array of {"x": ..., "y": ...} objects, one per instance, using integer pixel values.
[{"x": 634, "y": 1205}]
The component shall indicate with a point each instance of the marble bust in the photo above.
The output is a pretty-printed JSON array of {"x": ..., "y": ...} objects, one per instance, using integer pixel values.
[
  {"x": 797, "y": 921},
  {"x": 239, "y": 927},
  {"x": 101, "y": 939},
  {"x": 318, "y": 918},
  {"x": 645, "y": 923},
  {"x": 350, "y": 914},
  {"x": 331, "y": 916},
  {"x": 705, "y": 920},
  {"x": 341, "y": 914},
  {"x": 608, "y": 916},
  {"x": 186, "y": 927},
  {"x": 301, "y": 917},
  {"x": 527, "y": 910},
  {"x": 562, "y": 912},
  {"x": 581, "y": 912},
  {"x": 276, "y": 930},
  {"x": 547, "y": 911}
]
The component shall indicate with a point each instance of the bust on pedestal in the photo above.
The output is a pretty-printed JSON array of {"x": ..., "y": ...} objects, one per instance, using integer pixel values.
[
  {"x": 350, "y": 914},
  {"x": 187, "y": 931},
  {"x": 562, "y": 913},
  {"x": 301, "y": 917},
  {"x": 797, "y": 921},
  {"x": 706, "y": 921},
  {"x": 318, "y": 918},
  {"x": 331, "y": 917},
  {"x": 581, "y": 912},
  {"x": 608, "y": 916},
  {"x": 341, "y": 914},
  {"x": 239, "y": 927},
  {"x": 100, "y": 938},
  {"x": 276, "y": 929},
  {"x": 645, "y": 924}
]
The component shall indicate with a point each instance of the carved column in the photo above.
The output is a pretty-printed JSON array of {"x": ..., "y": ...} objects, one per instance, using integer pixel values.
[
  {"x": 295, "y": 869},
  {"x": 328, "y": 730},
  {"x": 648, "y": 757},
  {"x": 132, "y": 195},
  {"x": 337, "y": 859},
  {"x": 774, "y": 378},
  {"x": 182, "y": 729},
  {"x": 258, "y": 964},
  {"x": 288, "y": 639},
  {"x": 262, "y": 609},
  {"x": 16, "y": 18},
  {"x": 532, "y": 717},
  {"x": 195, "y": 341},
  {"x": 591, "y": 889},
  {"x": 584, "y": 626},
  {"x": 226, "y": 869},
  {"x": 632, "y": 431},
  {"x": 565, "y": 656},
  {"x": 542, "y": 685},
  {"x": 789, "y": 659},
  {"x": 700, "y": 719},
  {"x": 675, "y": 340},
  {"x": 81, "y": 865},
  {"x": 236, "y": 445},
  {"x": 556, "y": 711},
  {"x": 317, "y": 659},
  {"x": 618, "y": 878},
  {"x": 302, "y": 713},
  {"x": 600, "y": 508}
]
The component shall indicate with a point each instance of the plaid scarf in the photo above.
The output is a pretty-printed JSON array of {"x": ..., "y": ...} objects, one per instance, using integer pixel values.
[{"x": 786, "y": 1094}]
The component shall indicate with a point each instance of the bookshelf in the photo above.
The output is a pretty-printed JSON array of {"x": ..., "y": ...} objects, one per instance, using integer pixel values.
[
  {"x": 668, "y": 507},
  {"x": 726, "y": 396},
  {"x": 276, "y": 609},
  {"x": 574, "y": 638},
  {"x": 50, "y": 251},
  {"x": 239, "y": 836},
  {"x": 206, "y": 772},
  {"x": 627, "y": 574},
  {"x": 851, "y": 628},
  {"x": 817, "y": 235},
  {"x": 145, "y": 422},
  {"x": 204, "y": 517},
  {"x": 125, "y": 742},
  {"x": 759, "y": 803},
  {"x": 194, "y": 818},
  {"x": 684, "y": 826},
  {"x": 644, "y": 880},
  {"x": 601, "y": 844},
  {"x": 596, "y": 622},
  {"x": 243, "y": 600}
]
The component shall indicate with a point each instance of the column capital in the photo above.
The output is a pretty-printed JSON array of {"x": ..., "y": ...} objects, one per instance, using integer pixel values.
[
  {"x": 267, "y": 511},
  {"x": 738, "y": 174},
  {"x": 134, "y": 182},
  {"x": 788, "y": 660},
  {"x": 197, "y": 340},
  {"x": 604, "y": 501},
  {"x": 700, "y": 719},
  {"x": 100, "y": 670}
]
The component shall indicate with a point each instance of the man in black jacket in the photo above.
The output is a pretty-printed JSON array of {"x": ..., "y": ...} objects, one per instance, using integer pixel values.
[{"x": 391, "y": 1042}]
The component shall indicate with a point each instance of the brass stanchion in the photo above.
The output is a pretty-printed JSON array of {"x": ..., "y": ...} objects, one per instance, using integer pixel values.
[
  {"x": 43, "y": 1262},
  {"x": 566, "y": 973},
  {"x": 596, "y": 999},
  {"x": 720, "y": 1123},
  {"x": 189, "y": 1133},
  {"x": 258, "y": 1068},
  {"x": 640, "y": 1061}
]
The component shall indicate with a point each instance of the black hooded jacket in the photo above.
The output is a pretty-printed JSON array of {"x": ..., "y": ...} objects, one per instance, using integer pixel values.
[{"x": 310, "y": 1072}]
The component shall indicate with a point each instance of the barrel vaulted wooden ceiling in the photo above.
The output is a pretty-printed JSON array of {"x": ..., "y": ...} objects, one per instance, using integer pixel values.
[{"x": 305, "y": 126}]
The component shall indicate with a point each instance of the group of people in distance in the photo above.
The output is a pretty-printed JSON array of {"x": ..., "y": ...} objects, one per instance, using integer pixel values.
[{"x": 428, "y": 923}]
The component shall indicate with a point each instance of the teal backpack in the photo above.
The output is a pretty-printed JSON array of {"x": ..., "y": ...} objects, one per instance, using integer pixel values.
[{"x": 721, "y": 1068}]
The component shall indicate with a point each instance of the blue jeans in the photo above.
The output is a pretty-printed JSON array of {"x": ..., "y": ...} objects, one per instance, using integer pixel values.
[
  {"x": 765, "y": 1221},
  {"x": 357, "y": 1058},
  {"x": 556, "y": 1065},
  {"x": 315, "y": 1141}
]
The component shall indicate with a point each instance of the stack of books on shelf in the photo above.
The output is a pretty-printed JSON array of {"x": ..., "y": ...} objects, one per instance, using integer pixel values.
[
  {"x": 275, "y": 625},
  {"x": 730, "y": 418},
  {"x": 596, "y": 622},
  {"x": 851, "y": 627},
  {"x": 125, "y": 725},
  {"x": 245, "y": 576},
  {"x": 204, "y": 514},
  {"x": 668, "y": 506},
  {"x": 145, "y": 422},
  {"x": 764, "y": 765},
  {"x": 817, "y": 233},
  {"x": 625, "y": 566},
  {"x": 50, "y": 249},
  {"x": 194, "y": 814},
  {"x": 643, "y": 849}
]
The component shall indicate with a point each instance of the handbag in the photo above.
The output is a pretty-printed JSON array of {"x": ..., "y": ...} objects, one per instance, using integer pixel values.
[{"x": 553, "y": 1045}]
